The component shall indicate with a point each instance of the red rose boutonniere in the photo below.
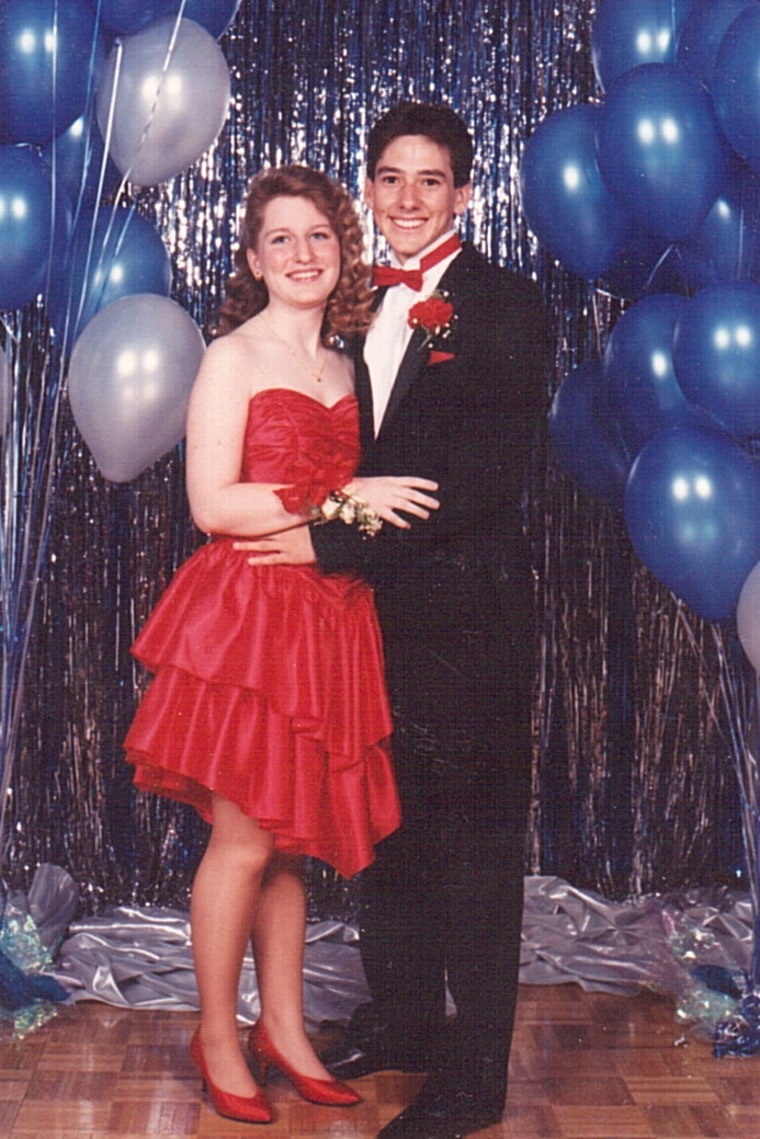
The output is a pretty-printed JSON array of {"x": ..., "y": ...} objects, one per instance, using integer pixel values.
[{"x": 436, "y": 317}]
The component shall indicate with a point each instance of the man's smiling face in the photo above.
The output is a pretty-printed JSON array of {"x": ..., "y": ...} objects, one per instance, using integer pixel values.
[{"x": 412, "y": 196}]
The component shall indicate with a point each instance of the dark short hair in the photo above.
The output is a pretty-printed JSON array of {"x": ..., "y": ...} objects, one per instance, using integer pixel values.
[{"x": 435, "y": 121}]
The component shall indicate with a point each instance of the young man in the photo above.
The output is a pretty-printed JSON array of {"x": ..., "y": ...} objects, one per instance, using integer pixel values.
[{"x": 451, "y": 391}]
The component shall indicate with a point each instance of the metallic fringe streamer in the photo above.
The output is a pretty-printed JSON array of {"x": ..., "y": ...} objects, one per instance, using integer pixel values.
[{"x": 634, "y": 788}]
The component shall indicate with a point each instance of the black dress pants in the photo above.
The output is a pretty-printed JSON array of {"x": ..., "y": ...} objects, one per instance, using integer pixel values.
[{"x": 443, "y": 901}]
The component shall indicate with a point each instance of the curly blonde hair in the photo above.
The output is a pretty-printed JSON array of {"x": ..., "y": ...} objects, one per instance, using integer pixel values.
[{"x": 348, "y": 307}]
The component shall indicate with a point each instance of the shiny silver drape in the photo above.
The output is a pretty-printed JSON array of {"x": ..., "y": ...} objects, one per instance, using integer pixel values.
[{"x": 639, "y": 707}]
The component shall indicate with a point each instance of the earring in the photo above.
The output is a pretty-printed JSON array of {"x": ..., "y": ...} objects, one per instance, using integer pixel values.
[{"x": 258, "y": 276}]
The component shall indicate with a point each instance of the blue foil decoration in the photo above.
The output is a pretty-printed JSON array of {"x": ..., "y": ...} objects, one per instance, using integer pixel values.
[
  {"x": 630, "y": 795},
  {"x": 27, "y": 996},
  {"x": 738, "y": 1034}
]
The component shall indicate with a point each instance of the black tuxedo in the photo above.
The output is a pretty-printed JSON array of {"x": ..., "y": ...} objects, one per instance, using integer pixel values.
[{"x": 454, "y": 597}]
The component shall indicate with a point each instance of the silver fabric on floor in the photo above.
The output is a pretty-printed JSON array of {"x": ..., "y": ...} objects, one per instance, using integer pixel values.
[{"x": 696, "y": 947}]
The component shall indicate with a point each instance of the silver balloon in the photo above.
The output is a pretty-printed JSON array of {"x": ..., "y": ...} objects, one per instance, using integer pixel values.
[
  {"x": 130, "y": 377},
  {"x": 162, "y": 99},
  {"x": 748, "y": 617}
]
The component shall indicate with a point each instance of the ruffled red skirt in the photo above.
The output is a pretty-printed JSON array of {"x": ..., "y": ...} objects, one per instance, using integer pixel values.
[{"x": 269, "y": 690}]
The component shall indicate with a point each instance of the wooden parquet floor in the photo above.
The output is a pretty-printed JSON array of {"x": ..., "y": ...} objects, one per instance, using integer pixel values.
[{"x": 584, "y": 1066}]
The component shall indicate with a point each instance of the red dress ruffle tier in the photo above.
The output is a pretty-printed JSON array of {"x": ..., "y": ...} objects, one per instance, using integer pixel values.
[{"x": 269, "y": 684}]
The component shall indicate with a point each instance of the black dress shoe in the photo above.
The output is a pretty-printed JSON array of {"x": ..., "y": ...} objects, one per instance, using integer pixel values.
[
  {"x": 368, "y": 1045},
  {"x": 351, "y": 1062},
  {"x": 440, "y": 1115}
]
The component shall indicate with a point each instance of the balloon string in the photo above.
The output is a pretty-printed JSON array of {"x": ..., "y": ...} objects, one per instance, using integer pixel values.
[
  {"x": 740, "y": 250},
  {"x": 89, "y": 125},
  {"x": 55, "y": 200},
  {"x": 154, "y": 109},
  {"x": 105, "y": 250},
  {"x": 68, "y": 322},
  {"x": 597, "y": 322},
  {"x": 32, "y": 470},
  {"x": 658, "y": 265},
  {"x": 53, "y": 179},
  {"x": 14, "y": 336}
]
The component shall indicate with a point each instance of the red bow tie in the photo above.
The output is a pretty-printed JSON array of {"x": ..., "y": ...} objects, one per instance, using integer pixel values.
[{"x": 383, "y": 275}]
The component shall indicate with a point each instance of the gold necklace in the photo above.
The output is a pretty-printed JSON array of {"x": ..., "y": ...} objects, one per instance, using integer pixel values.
[{"x": 298, "y": 359}]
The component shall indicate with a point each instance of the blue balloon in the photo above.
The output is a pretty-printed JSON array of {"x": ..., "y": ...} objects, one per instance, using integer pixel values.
[
  {"x": 736, "y": 85},
  {"x": 659, "y": 148},
  {"x": 638, "y": 364},
  {"x": 28, "y": 217},
  {"x": 586, "y": 443},
  {"x": 42, "y": 91},
  {"x": 78, "y": 160},
  {"x": 631, "y": 272},
  {"x": 114, "y": 253},
  {"x": 566, "y": 203},
  {"x": 646, "y": 265},
  {"x": 125, "y": 17},
  {"x": 214, "y": 15},
  {"x": 702, "y": 33},
  {"x": 628, "y": 33},
  {"x": 691, "y": 512},
  {"x": 726, "y": 245},
  {"x": 716, "y": 354}
]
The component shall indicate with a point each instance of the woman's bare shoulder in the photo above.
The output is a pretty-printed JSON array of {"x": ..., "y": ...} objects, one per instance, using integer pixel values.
[
  {"x": 233, "y": 348},
  {"x": 230, "y": 361}
]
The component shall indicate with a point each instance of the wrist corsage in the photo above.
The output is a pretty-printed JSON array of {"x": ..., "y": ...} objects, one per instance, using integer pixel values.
[
  {"x": 436, "y": 317},
  {"x": 353, "y": 511}
]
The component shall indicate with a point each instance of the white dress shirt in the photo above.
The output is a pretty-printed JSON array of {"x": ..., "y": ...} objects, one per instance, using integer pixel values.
[{"x": 390, "y": 332}]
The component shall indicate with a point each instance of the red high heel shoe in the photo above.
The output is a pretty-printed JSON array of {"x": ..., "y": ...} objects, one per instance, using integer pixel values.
[
  {"x": 330, "y": 1092},
  {"x": 243, "y": 1109}
]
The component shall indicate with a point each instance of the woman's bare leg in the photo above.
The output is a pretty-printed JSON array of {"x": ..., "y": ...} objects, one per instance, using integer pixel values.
[
  {"x": 225, "y": 897},
  {"x": 279, "y": 929}
]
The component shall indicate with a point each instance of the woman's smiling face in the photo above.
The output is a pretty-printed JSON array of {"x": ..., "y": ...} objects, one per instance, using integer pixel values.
[{"x": 297, "y": 252}]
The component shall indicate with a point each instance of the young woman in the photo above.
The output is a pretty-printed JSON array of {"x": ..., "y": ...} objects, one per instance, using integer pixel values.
[{"x": 267, "y": 710}]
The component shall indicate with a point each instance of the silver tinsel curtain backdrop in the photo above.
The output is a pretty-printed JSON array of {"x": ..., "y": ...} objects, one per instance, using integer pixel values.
[{"x": 638, "y": 712}]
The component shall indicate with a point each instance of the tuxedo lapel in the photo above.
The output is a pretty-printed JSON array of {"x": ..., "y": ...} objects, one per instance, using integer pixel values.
[
  {"x": 366, "y": 413},
  {"x": 454, "y": 279},
  {"x": 363, "y": 388},
  {"x": 412, "y": 364}
]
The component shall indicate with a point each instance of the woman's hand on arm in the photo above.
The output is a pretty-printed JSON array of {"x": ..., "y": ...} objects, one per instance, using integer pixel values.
[{"x": 386, "y": 495}]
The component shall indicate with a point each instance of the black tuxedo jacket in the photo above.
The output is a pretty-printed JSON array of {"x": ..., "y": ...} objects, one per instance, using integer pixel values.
[{"x": 469, "y": 423}]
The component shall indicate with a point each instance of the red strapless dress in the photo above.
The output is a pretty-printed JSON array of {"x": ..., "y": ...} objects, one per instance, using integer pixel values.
[{"x": 269, "y": 684}]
